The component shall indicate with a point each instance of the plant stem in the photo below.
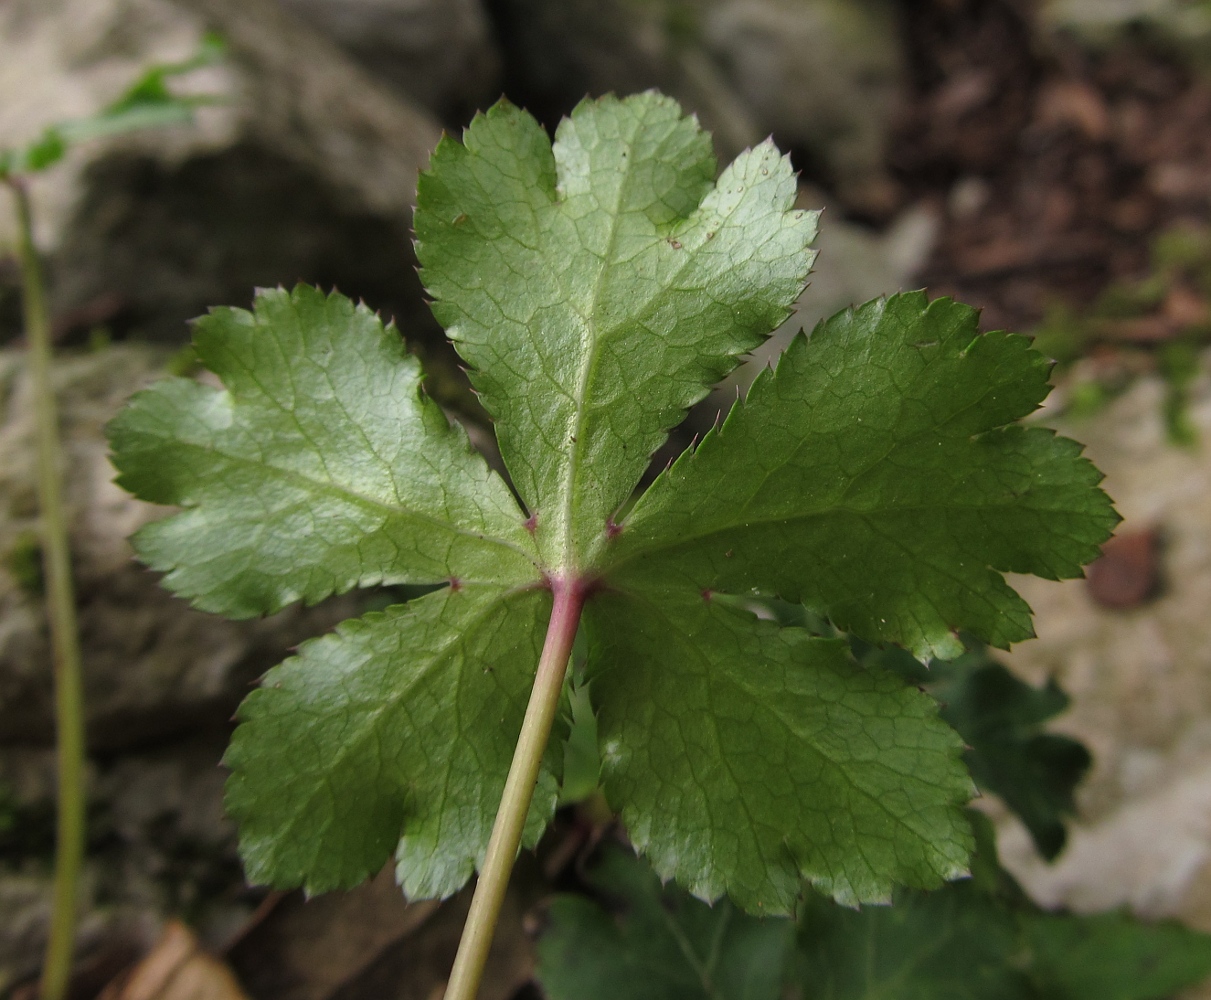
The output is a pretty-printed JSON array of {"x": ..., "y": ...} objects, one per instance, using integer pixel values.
[
  {"x": 519, "y": 790},
  {"x": 61, "y": 606}
]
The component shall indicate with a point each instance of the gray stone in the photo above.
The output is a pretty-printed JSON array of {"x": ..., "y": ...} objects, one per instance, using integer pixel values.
[
  {"x": 1140, "y": 680},
  {"x": 1185, "y": 23},
  {"x": 304, "y": 169},
  {"x": 439, "y": 52},
  {"x": 160, "y": 846},
  {"x": 824, "y": 76}
]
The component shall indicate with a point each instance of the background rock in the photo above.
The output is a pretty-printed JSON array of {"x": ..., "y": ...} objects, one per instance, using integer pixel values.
[
  {"x": 824, "y": 76},
  {"x": 441, "y": 53},
  {"x": 304, "y": 170},
  {"x": 1184, "y": 23},
  {"x": 1140, "y": 681}
]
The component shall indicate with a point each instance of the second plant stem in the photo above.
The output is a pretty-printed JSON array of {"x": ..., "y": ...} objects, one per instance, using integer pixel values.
[
  {"x": 61, "y": 606},
  {"x": 519, "y": 791}
]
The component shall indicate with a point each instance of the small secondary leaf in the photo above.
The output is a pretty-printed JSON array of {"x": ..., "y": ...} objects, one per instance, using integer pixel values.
[
  {"x": 601, "y": 287},
  {"x": 756, "y": 756},
  {"x": 321, "y": 467},
  {"x": 877, "y": 478},
  {"x": 661, "y": 945},
  {"x": 1000, "y": 718},
  {"x": 953, "y": 944},
  {"x": 402, "y": 720}
]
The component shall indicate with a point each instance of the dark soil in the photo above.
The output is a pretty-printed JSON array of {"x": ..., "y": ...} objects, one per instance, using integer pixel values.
[{"x": 1056, "y": 166}]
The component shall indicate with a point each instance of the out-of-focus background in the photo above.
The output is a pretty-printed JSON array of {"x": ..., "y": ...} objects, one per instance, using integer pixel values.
[{"x": 1049, "y": 162}]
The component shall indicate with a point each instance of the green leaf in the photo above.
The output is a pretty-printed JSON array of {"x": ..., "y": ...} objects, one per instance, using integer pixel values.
[
  {"x": 954, "y": 944},
  {"x": 597, "y": 288},
  {"x": 980, "y": 939},
  {"x": 45, "y": 152},
  {"x": 877, "y": 478},
  {"x": 1112, "y": 956},
  {"x": 661, "y": 945},
  {"x": 1001, "y": 718},
  {"x": 601, "y": 287},
  {"x": 321, "y": 467},
  {"x": 581, "y": 759},
  {"x": 753, "y": 757},
  {"x": 396, "y": 730}
]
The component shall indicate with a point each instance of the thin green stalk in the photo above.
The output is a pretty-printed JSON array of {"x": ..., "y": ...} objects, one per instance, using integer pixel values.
[
  {"x": 61, "y": 607},
  {"x": 519, "y": 790}
]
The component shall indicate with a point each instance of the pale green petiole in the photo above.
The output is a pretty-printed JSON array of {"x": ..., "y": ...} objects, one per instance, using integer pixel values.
[{"x": 519, "y": 790}]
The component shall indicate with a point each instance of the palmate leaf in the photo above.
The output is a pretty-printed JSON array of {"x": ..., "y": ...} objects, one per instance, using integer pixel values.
[
  {"x": 601, "y": 287},
  {"x": 597, "y": 287},
  {"x": 877, "y": 477}
]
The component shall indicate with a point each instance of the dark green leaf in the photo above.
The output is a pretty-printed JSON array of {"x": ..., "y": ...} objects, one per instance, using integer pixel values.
[
  {"x": 657, "y": 944},
  {"x": 954, "y": 944},
  {"x": 877, "y": 478},
  {"x": 1112, "y": 956}
]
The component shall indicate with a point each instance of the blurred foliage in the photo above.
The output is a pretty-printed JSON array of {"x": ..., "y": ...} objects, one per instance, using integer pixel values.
[
  {"x": 977, "y": 939},
  {"x": 1166, "y": 314},
  {"x": 148, "y": 103}
]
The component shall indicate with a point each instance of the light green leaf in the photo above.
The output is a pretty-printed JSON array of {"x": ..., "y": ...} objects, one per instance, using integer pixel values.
[
  {"x": 322, "y": 467},
  {"x": 393, "y": 734},
  {"x": 877, "y": 477},
  {"x": 746, "y": 758},
  {"x": 600, "y": 288},
  {"x": 661, "y": 945}
]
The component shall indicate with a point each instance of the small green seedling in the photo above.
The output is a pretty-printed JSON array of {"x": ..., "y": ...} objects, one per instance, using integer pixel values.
[
  {"x": 147, "y": 103},
  {"x": 597, "y": 288}
]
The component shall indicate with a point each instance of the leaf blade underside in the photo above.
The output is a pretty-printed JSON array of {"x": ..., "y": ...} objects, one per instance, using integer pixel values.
[
  {"x": 394, "y": 734},
  {"x": 601, "y": 287},
  {"x": 322, "y": 466},
  {"x": 757, "y": 757}
]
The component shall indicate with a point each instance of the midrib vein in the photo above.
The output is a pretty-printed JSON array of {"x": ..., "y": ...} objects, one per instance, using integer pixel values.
[{"x": 589, "y": 343}]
